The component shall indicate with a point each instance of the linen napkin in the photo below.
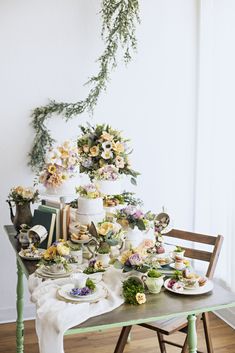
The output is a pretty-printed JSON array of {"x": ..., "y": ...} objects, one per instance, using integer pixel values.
[{"x": 54, "y": 317}]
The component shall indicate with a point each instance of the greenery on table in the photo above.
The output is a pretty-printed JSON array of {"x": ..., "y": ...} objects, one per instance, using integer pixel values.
[
  {"x": 154, "y": 273},
  {"x": 118, "y": 33},
  {"x": 131, "y": 287}
]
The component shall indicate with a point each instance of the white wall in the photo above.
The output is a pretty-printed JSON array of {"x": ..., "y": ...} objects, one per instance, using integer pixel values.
[{"x": 48, "y": 49}]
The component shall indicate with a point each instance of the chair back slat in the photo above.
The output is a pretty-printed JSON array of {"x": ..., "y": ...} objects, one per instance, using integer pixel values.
[
  {"x": 198, "y": 254},
  {"x": 195, "y": 237}
]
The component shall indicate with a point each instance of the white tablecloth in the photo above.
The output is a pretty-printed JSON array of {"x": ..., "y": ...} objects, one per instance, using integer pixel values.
[{"x": 54, "y": 317}]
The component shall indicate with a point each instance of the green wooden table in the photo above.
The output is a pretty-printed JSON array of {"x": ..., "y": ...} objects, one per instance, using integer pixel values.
[{"x": 162, "y": 306}]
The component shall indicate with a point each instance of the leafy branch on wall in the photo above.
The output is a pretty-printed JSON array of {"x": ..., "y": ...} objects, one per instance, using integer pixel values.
[{"x": 119, "y": 19}]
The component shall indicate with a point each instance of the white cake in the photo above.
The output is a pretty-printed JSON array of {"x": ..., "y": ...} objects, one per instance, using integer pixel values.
[
  {"x": 90, "y": 210},
  {"x": 110, "y": 187},
  {"x": 90, "y": 206}
]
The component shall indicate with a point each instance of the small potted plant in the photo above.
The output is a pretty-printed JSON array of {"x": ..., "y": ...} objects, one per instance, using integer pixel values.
[
  {"x": 75, "y": 251},
  {"x": 154, "y": 281},
  {"x": 103, "y": 254},
  {"x": 178, "y": 251}
]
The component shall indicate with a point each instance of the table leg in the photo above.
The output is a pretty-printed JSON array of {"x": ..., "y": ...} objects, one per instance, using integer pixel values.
[
  {"x": 19, "y": 308},
  {"x": 192, "y": 334}
]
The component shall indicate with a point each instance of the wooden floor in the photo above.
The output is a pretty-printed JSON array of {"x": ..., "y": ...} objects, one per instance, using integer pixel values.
[{"x": 143, "y": 340}]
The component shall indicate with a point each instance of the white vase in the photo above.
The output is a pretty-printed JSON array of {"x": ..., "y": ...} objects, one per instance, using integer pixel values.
[
  {"x": 78, "y": 255},
  {"x": 134, "y": 237},
  {"x": 154, "y": 284},
  {"x": 67, "y": 188},
  {"x": 104, "y": 259},
  {"x": 110, "y": 187}
]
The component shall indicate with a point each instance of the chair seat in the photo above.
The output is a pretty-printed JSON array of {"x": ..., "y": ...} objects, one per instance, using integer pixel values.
[{"x": 168, "y": 326}]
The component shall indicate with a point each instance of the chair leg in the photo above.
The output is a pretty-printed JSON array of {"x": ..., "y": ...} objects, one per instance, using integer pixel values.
[
  {"x": 205, "y": 320},
  {"x": 185, "y": 345},
  {"x": 122, "y": 340},
  {"x": 161, "y": 342}
]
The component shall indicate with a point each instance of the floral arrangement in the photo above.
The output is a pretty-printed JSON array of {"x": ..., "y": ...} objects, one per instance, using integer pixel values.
[
  {"x": 100, "y": 146},
  {"x": 88, "y": 289},
  {"x": 60, "y": 165},
  {"x": 133, "y": 259},
  {"x": 94, "y": 266},
  {"x": 57, "y": 253},
  {"x": 133, "y": 291},
  {"x": 107, "y": 172},
  {"x": 90, "y": 191},
  {"x": 22, "y": 195},
  {"x": 131, "y": 217},
  {"x": 122, "y": 199},
  {"x": 109, "y": 232}
]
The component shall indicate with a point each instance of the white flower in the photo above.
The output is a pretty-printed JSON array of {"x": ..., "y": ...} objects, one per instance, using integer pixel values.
[
  {"x": 107, "y": 154},
  {"x": 107, "y": 145}
]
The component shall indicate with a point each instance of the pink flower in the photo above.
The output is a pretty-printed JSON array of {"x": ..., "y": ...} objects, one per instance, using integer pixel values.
[{"x": 135, "y": 260}]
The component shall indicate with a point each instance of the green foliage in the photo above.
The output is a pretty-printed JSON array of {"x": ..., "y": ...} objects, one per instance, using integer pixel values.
[
  {"x": 154, "y": 273},
  {"x": 131, "y": 287},
  {"x": 104, "y": 248},
  {"x": 178, "y": 249},
  {"x": 118, "y": 33},
  {"x": 90, "y": 284}
]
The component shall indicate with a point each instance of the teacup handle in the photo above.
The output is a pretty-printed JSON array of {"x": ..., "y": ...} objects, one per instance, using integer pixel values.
[
  {"x": 92, "y": 241},
  {"x": 143, "y": 278}
]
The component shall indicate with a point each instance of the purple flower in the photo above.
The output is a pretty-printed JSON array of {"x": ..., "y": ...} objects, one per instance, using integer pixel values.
[
  {"x": 80, "y": 291},
  {"x": 138, "y": 214},
  {"x": 135, "y": 259},
  {"x": 92, "y": 263},
  {"x": 130, "y": 210}
]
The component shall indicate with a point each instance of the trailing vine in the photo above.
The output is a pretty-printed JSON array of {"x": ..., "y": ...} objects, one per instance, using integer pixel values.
[{"x": 119, "y": 19}]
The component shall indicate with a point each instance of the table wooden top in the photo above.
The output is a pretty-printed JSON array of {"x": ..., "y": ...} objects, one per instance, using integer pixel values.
[{"x": 161, "y": 306}]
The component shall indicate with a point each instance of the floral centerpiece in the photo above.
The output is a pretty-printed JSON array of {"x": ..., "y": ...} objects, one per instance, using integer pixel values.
[
  {"x": 94, "y": 266},
  {"x": 131, "y": 217},
  {"x": 61, "y": 165},
  {"x": 110, "y": 233},
  {"x": 133, "y": 259},
  {"x": 100, "y": 146},
  {"x": 138, "y": 224},
  {"x": 56, "y": 257},
  {"x": 89, "y": 191},
  {"x": 21, "y": 197}
]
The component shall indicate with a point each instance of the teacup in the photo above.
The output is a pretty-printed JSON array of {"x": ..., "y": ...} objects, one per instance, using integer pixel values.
[
  {"x": 179, "y": 254},
  {"x": 154, "y": 284},
  {"x": 37, "y": 234},
  {"x": 79, "y": 279}
]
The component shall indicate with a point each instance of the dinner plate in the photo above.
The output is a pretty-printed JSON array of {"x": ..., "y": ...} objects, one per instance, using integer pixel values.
[
  {"x": 52, "y": 275},
  {"x": 64, "y": 293},
  {"x": 32, "y": 258},
  {"x": 197, "y": 291}
]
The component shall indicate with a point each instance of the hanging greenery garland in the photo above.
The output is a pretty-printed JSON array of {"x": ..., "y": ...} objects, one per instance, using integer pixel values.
[{"x": 118, "y": 32}]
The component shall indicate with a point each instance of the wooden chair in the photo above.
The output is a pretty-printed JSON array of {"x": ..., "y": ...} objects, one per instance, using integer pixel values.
[{"x": 167, "y": 327}]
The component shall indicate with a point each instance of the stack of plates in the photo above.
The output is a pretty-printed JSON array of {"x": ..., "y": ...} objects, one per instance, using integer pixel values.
[
  {"x": 63, "y": 293},
  {"x": 45, "y": 273}
]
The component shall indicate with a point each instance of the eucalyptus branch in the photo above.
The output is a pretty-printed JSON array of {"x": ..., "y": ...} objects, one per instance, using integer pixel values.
[{"x": 119, "y": 19}]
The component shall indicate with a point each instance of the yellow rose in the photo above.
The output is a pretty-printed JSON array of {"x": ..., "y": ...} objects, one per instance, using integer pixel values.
[
  {"x": 124, "y": 223},
  {"x": 86, "y": 148},
  {"x": 125, "y": 256},
  {"x": 94, "y": 151},
  {"x": 106, "y": 136},
  {"x": 50, "y": 253},
  {"x": 51, "y": 169},
  {"x": 19, "y": 189},
  {"x": 64, "y": 154},
  {"x": 62, "y": 250},
  {"x": 105, "y": 228},
  {"x": 118, "y": 147},
  {"x": 140, "y": 298}
]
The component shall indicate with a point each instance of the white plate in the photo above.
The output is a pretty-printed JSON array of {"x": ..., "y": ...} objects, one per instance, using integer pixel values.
[
  {"x": 36, "y": 257},
  {"x": 80, "y": 241},
  {"x": 51, "y": 275},
  {"x": 197, "y": 291},
  {"x": 173, "y": 266},
  {"x": 64, "y": 293}
]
